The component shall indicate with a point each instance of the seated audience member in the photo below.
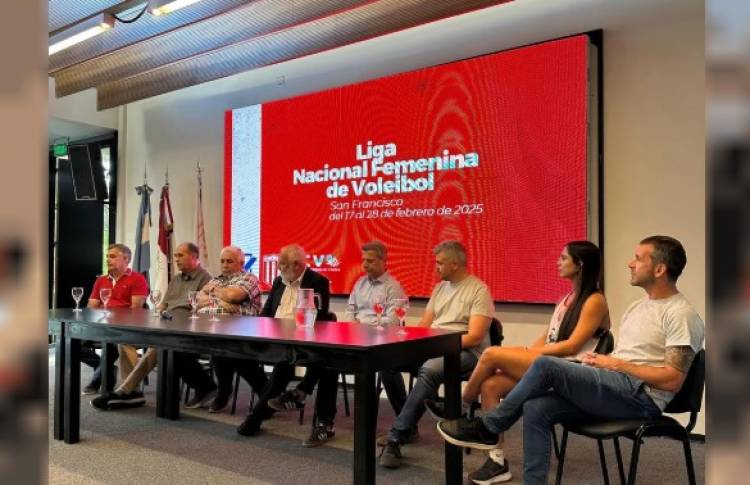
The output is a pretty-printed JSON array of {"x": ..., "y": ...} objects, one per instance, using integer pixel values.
[
  {"x": 281, "y": 303},
  {"x": 129, "y": 290},
  {"x": 461, "y": 301},
  {"x": 191, "y": 277},
  {"x": 237, "y": 293},
  {"x": 574, "y": 329},
  {"x": 378, "y": 281},
  {"x": 659, "y": 337}
]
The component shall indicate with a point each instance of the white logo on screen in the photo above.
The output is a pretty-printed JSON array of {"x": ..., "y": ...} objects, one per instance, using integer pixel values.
[{"x": 325, "y": 260}]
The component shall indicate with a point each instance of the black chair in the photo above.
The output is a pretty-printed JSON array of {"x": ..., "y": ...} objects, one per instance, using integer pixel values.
[
  {"x": 605, "y": 346},
  {"x": 687, "y": 400},
  {"x": 606, "y": 343}
]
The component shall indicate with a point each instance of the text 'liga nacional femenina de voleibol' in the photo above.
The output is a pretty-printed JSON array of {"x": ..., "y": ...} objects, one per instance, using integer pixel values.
[{"x": 390, "y": 177}]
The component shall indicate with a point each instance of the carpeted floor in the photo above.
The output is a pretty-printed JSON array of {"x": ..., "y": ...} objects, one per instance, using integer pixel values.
[{"x": 133, "y": 446}]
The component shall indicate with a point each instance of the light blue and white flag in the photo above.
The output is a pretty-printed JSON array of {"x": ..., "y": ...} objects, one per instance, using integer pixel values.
[{"x": 142, "y": 258}]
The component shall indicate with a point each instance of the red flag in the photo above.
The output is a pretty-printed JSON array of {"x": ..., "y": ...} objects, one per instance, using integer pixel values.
[
  {"x": 166, "y": 228},
  {"x": 166, "y": 222}
]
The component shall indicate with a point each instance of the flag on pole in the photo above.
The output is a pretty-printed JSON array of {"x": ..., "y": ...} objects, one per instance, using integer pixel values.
[
  {"x": 200, "y": 230},
  {"x": 142, "y": 258},
  {"x": 166, "y": 231}
]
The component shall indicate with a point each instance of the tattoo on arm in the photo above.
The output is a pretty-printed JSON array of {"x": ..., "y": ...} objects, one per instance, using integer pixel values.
[{"x": 679, "y": 357}]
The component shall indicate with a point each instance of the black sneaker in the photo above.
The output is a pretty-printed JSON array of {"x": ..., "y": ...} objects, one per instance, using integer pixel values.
[
  {"x": 410, "y": 437},
  {"x": 122, "y": 401},
  {"x": 101, "y": 402},
  {"x": 436, "y": 409},
  {"x": 287, "y": 401},
  {"x": 469, "y": 433},
  {"x": 201, "y": 399},
  {"x": 90, "y": 389},
  {"x": 491, "y": 472},
  {"x": 249, "y": 427},
  {"x": 219, "y": 403},
  {"x": 320, "y": 434},
  {"x": 390, "y": 457}
]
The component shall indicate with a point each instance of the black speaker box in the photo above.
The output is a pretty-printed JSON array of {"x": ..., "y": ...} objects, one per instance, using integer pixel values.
[{"x": 87, "y": 171}]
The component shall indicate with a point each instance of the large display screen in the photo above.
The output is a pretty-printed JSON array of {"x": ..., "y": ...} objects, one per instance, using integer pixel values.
[{"x": 491, "y": 151}]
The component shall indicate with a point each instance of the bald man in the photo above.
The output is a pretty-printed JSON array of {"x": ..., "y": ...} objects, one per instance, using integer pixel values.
[{"x": 237, "y": 293}]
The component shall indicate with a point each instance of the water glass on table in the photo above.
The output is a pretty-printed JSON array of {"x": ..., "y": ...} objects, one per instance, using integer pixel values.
[
  {"x": 193, "y": 302},
  {"x": 378, "y": 306},
  {"x": 400, "y": 307},
  {"x": 214, "y": 308},
  {"x": 104, "y": 295},
  {"x": 155, "y": 299},
  {"x": 77, "y": 293}
]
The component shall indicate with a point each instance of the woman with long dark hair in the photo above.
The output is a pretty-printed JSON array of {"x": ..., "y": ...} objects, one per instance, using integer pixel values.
[{"x": 579, "y": 319}]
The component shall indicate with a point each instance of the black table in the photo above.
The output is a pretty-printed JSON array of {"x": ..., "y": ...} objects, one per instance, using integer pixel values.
[{"x": 361, "y": 350}]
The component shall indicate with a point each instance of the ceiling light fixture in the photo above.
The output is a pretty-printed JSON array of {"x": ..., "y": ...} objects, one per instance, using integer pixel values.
[
  {"x": 162, "y": 7},
  {"x": 81, "y": 31}
]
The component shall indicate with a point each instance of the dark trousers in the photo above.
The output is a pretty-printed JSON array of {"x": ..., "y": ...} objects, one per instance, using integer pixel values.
[
  {"x": 191, "y": 371},
  {"x": 327, "y": 381},
  {"x": 91, "y": 359},
  {"x": 393, "y": 383},
  {"x": 325, "y": 400},
  {"x": 250, "y": 370}
]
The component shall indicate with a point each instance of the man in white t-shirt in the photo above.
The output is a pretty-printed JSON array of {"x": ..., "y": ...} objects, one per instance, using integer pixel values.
[
  {"x": 461, "y": 301},
  {"x": 659, "y": 337}
]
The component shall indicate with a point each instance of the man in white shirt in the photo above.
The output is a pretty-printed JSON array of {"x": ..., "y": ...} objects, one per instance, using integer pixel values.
[
  {"x": 659, "y": 337},
  {"x": 461, "y": 301}
]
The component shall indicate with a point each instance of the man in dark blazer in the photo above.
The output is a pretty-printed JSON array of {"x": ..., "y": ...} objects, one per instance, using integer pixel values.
[
  {"x": 281, "y": 302},
  {"x": 293, "y": 268}
]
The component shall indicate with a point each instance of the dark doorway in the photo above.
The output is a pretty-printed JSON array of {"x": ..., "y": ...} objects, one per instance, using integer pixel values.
[{"x": 80, "y": 230}]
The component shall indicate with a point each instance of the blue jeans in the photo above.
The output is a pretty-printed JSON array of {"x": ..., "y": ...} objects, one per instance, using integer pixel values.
[
  {"x": 431, "y": 375},
  {"x": 555, "y": 390}
]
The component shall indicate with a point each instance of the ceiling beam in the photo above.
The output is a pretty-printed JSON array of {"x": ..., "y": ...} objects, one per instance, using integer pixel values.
[
  {"x": 237, "y": 25},
  {"x": 148, "y": 26},
  {"x": 342, "y": 28}
]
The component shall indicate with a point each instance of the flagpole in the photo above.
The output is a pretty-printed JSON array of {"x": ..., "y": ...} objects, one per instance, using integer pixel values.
[{"x": 200, "y": 232}]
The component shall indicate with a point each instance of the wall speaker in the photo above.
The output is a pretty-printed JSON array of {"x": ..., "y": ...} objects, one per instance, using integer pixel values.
[{"x": 87, "y": 171}]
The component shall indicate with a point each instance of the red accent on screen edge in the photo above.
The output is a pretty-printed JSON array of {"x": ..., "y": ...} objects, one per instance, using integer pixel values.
[{"x": 227, "y": 178}]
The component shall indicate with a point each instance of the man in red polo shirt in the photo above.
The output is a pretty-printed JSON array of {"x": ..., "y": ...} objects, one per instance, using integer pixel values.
[{"x": 129, "y": 290}]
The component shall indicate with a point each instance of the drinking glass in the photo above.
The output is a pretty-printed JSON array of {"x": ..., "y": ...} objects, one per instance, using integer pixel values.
[
  {"x": 400, "y": 307},
  {"x": 214, "y": 308},
  {"x": 77, "y": 292},
  {"x": 155, "y": 299},
  {"x": 104, "y": 296},
  {"x": 193, "y": 301},
  {"x": 378, "y": 306}
]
